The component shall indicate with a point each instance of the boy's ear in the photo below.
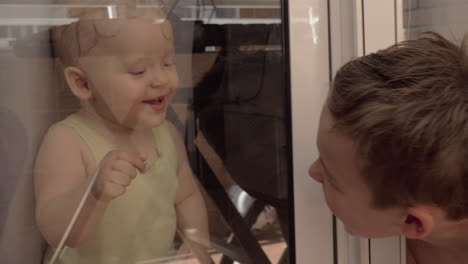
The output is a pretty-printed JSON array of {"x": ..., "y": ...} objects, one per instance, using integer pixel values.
[
  {"x": 419, "y": 222},
  {"x": 78, "y": 83}
]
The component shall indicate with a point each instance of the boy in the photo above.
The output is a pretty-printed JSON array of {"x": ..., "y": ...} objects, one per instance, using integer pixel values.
[{"x": 393, "y": 140}]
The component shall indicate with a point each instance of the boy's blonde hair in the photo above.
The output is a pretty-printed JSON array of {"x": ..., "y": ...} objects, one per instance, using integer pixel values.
[{"x": 407, "y": 108}]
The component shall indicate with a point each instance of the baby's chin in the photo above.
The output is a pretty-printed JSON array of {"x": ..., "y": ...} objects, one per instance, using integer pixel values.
[{"x": 152, "y": 122}]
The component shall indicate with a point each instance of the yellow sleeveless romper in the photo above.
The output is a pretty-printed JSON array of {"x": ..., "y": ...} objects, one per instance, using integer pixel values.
[{"x": 140, "y": 225}]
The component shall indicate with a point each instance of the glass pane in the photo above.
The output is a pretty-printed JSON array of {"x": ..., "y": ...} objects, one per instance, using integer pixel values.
[
  {"x": 144, "y": 131},
  {"x": 444, "y": 17}
]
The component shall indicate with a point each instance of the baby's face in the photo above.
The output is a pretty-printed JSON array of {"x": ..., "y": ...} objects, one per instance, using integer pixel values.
[{"x": 131, "y": 71}]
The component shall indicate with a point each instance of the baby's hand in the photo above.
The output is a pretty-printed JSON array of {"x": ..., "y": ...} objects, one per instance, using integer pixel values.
[{"x": 118, "y": 169}]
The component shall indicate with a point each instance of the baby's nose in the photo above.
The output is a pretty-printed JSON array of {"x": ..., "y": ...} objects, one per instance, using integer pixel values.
[{"x": 159, "y": 77}]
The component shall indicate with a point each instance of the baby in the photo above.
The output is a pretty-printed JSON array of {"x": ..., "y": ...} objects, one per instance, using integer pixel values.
[{"x": 117, "y": 164}]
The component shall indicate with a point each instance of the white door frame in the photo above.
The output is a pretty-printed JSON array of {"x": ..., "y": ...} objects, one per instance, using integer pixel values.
[{"x": 310, "y": 74}]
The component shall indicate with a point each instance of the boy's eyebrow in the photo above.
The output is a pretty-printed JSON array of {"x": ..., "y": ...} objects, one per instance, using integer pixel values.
[{"x": 329, "y": 175}]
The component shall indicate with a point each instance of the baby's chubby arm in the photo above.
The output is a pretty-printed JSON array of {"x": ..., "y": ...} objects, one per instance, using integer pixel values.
[
  {"x": 192, "y": 218},
  {"x": 61, "y": 177}
]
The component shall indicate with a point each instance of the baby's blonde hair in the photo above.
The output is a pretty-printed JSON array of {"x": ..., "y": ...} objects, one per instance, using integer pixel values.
[{"x": 72, "y": 41}]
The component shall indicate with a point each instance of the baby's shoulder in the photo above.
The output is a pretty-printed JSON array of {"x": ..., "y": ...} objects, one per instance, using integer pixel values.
[
  {"x": 62, "y": 139},
  {"x": 61, "y": 133}
]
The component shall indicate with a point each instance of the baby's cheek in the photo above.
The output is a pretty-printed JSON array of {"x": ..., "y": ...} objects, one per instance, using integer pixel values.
[{"x": 175, "y": 81}]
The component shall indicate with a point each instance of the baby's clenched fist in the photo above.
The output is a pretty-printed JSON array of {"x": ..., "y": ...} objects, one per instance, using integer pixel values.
[{"x": 117, "y": 170}]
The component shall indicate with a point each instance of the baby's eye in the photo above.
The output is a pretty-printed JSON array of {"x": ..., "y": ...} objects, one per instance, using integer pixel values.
[
  {"x": 168, "y": 64},
  {"x": 168, "y": 61},
  {"x": 137, "y": 72}
]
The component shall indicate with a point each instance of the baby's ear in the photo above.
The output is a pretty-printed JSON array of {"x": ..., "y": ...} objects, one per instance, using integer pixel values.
[
  {"x": 78, "y": 83},
  {"x": 419, "y": 222}
]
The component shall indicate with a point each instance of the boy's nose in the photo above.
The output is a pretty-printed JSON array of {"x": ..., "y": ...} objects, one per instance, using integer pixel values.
[{"x": 315, "y": 172}]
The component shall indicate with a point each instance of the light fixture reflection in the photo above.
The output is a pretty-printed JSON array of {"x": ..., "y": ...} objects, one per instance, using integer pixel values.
[
  {"x": 313, "y": 21},
  {"x": 111, "y": 12}
]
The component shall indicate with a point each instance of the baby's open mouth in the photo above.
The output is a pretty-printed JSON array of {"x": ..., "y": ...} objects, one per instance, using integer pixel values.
[{"x": 156, "y": 101}]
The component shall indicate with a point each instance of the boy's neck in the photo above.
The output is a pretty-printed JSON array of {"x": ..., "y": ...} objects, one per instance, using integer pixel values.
[
  {"x": 449, "y": 241},
  {"x": 450, "y": 234}
]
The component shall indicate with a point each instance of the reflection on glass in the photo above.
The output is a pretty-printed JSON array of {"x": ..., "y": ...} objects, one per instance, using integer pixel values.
[
  {"x": 447, "y": 19},
  {"x": 125, "y": 98}
]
